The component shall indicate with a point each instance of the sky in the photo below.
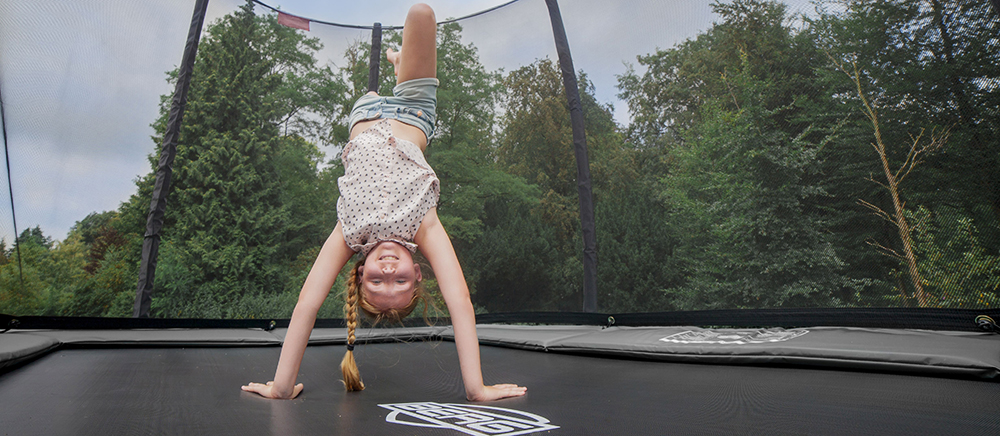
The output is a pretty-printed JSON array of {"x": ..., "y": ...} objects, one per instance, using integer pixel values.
[{"x": 81, "y": 81}]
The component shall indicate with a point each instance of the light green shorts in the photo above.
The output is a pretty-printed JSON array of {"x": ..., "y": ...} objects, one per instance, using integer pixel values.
[{"x": 414, "y": 102}]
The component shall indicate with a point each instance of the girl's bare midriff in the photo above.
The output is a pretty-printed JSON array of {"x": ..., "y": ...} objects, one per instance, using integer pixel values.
[{"x": 400, "y": 130}]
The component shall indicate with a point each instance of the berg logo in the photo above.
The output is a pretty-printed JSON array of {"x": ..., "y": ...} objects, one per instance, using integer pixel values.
[
  {"x": 468, "y": 419},
  {"x": 734, "y": 337}
]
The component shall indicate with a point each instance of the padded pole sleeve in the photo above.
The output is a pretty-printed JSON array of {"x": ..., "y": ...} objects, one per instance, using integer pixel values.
[
  {"x": 10, "y": 188},
  {"x": 376, "y": 56},
  {"x": 582, "y": 161},
  {"x": 164, "y": 171}
]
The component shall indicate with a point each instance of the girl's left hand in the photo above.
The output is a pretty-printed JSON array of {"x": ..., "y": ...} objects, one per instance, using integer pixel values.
[
  {"x": 497, "y": 392},
  {"x": 268, "y": 391}
]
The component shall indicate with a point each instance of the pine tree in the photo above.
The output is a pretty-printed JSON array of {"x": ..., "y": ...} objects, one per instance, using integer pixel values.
[{"x": 227, "y": 218}]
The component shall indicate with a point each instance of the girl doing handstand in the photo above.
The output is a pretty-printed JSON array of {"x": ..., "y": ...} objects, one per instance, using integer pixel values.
[{"x": 387, "y": 209}]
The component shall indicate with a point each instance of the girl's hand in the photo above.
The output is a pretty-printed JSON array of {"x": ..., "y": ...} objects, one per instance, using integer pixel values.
[
  {"x": 497, "y": 392},
  {"x": 267, "y": 390}
]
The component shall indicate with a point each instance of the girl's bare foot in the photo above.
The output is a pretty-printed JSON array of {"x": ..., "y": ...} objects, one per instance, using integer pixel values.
[{"x": 394, "y": 57}]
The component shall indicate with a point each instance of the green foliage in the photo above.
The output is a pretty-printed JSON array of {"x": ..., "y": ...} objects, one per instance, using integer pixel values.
[
  {"x": 34, "y": 236},
  {"x": 109, "y": 291},
  {"x": 228, "y": 213},
  {"x": 537, "y": 144},
  {"x": 22, "y": 289},
  {"x": 741, "y": 184},
  {"x": 742, "y": 197},
  {"x": 926, "y": 64},
  {"x": 953, "y": 262},
  {"x": 51, "y": 273},
  {"x": 517, "y": 263},
  {"x": 460, "y": 151}
]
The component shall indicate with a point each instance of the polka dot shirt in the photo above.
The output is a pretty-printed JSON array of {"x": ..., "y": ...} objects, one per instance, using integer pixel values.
[{"x": 386, "y": 190}]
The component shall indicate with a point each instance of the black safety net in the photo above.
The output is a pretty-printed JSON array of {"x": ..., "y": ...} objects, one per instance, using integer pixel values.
[{"x": 743, "y": 155}]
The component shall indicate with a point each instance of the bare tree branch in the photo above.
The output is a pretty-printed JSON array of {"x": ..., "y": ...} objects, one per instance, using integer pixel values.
[
  {"x": 877, "y": 211},
  {"x": 886, "y": 250},
  {"x": 914, "y": 157}
]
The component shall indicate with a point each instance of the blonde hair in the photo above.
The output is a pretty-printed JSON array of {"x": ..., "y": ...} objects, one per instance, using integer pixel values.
[{"x": 355, "y": 299}]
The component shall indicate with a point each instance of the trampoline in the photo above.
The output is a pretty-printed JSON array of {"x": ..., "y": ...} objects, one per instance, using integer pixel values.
[
  {"x": 581, "y": 380},
  {"x": 762, "y": 304}
]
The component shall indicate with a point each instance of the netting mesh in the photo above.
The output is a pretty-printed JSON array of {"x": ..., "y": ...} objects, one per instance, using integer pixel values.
[{"x": 745, "y": 154}]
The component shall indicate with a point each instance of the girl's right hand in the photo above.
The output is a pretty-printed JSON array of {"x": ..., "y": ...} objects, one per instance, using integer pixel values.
[
  {"x": 496, "y": 392},
  {"x": 268, "y": 391}
]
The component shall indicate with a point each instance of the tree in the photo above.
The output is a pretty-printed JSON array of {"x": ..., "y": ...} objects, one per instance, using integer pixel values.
[
  {"x": 22, "y": 288},
  {"x": 636, "y": 236},
  {"x": 742, "y": 193},
  {"x": 35, "y": 236},
  {"x": 729, "y": 116},
  {"x": 922, "y": 64},
  {"x": 240, "y": 204},
  {"x": 537, "y": 144},
  {"x": 918, "y": 148},
  {"x": 43, "y": 280},
  {"x": 475, "y": 190},
  {"x": 936, "y": 62},
  {"x": 953, "y": 260},
  {"x": 755, "y": 37}
]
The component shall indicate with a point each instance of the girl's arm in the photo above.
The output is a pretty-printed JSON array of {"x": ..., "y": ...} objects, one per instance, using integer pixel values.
[
  {"x": 436, "y": 246},
  {"x": 332, "y": 258}
]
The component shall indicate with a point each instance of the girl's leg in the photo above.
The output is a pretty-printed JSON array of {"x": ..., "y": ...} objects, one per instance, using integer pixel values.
[{"x": 418, "y": 57}]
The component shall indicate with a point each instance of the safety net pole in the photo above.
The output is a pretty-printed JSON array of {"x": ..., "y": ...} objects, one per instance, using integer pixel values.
[
  {"x": 10, "y": 187},
  {"x": 164, "y": 171},
  {"x": 582, "y": 161},
  {"x": 376, "y": 56}
]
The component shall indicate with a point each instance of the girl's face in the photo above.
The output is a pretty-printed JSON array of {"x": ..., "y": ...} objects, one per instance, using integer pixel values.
[{"x": 389, "y": 276}]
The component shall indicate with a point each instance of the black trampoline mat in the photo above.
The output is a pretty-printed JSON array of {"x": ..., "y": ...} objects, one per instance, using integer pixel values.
[{"x": 197, "y": 391}]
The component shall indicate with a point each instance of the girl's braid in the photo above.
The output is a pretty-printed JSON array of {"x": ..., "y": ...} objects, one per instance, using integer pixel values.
[{"x": 352, "y": 378}]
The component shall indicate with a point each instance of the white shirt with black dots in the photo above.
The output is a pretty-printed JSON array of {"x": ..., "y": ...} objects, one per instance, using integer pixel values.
[{"x": 386, "y": 190}]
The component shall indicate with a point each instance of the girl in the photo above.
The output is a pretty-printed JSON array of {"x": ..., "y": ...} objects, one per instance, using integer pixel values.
[{"x": 387, "y": 209}]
